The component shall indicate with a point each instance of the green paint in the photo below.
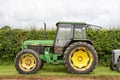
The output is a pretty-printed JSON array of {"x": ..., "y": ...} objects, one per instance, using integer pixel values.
[
  {"x": 55, "y": 57},
  {"x": 47, "y": 55},
  {"x": 50, "y": 57},
  {"x": 37, "y": 42}
]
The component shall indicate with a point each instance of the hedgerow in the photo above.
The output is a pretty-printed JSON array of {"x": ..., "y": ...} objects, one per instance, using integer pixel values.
[
  {"x": 11, "y": 41},
  {"x": 104, "y": 42}
]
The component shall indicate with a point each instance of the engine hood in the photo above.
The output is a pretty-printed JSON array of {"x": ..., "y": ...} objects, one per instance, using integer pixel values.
[{"x": 39, "y": 42}]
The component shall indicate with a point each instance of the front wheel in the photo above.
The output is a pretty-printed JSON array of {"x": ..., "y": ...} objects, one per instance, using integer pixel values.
[
  {"x": 80, "y": 58},
  {"x": 27, "y": 62}
]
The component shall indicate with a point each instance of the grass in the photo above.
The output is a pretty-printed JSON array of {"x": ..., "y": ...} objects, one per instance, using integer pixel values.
[{"x": 57, "y": 70}]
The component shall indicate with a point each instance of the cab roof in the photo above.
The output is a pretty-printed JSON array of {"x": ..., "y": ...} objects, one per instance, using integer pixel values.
[{"x": 82, "y": 23}]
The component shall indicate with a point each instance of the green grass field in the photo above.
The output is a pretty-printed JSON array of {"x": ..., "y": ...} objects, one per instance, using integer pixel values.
[{"x": 57, "y": 70}]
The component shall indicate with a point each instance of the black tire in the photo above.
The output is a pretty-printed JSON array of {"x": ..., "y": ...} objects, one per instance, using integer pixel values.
[
  {"x": 118, "y": 66},
  {"x": 37, "y": 62},
  {"x": 112, "y": 66},
  {"x": 68, "y": 52}
]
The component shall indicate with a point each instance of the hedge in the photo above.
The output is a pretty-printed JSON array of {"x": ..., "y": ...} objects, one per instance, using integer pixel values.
[{"x": 11, "y": 41}]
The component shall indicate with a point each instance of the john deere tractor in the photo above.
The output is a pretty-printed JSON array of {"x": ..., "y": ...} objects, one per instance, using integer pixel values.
[{"x": 70, "y": 47}]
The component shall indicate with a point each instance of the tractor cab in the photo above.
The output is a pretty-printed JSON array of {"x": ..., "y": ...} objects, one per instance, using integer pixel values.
[{"x": 69, "y": 32}]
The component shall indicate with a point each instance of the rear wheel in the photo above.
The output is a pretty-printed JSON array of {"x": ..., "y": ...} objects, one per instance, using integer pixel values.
[
  {"x": 27, "y": 62},
  {"x": 118, "y": 66},
  {"x": 112, "y": 66},
  {"x": 80, "y": 58}
]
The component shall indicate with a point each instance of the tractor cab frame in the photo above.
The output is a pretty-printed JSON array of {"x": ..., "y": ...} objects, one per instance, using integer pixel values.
[{"x": 68, "y": 33}]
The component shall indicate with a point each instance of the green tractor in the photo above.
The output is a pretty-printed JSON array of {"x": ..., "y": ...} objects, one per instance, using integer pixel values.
[{"x": 70, "y": 47}]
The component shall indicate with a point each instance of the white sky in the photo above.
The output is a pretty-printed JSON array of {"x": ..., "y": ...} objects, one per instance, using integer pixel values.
[{"x": 27, "y": 13}]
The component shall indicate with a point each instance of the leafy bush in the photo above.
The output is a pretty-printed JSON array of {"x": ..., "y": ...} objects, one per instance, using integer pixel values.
[
  {"x": 105, "y": 41},
  {"x": 11, "y": 41}
]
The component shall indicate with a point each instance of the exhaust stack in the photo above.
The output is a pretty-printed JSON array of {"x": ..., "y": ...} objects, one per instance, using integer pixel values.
[{"x": 44, "y": 31}]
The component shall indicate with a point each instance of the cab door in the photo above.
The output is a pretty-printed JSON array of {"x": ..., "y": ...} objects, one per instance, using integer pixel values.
[{"x": 63, "y": 36}]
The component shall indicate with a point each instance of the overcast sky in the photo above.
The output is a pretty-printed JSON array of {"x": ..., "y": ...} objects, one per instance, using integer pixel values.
[{"x": 26, "y": 13}]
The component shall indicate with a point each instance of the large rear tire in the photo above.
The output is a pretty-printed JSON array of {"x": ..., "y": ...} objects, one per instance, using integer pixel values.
[
  {"x": 80, "y": 58},
  {"x": 27, "y": 62}
]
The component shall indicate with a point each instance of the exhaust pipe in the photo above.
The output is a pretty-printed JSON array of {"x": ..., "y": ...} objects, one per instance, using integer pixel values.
[{"x": 44, "y": 31}]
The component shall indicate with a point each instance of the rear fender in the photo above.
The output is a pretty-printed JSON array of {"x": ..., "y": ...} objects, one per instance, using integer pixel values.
[{"x": 67, "y": 44}]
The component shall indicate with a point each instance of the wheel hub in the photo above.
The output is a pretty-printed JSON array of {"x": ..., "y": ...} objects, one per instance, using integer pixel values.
[
  {"x": 80, "y": 58},
  {"x": 28, "y": 62}
]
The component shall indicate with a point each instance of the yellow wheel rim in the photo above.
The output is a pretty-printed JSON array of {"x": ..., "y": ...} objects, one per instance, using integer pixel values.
[
  {"x": 80, "y": 58},
  {"x": 27, "y": 62}
]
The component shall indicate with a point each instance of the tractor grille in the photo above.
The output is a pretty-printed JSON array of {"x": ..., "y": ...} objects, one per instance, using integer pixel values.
[{"x": 39, "y": 49}]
